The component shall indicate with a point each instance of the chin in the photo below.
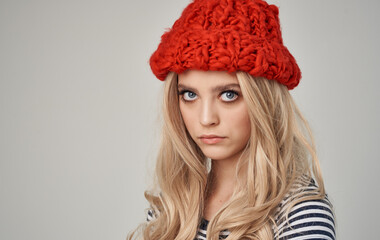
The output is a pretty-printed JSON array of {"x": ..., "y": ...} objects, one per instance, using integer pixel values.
[{"x": 216, "y": 154}]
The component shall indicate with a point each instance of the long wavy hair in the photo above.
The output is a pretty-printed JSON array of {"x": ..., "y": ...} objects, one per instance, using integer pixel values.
[{"x": 281, "y": 148}]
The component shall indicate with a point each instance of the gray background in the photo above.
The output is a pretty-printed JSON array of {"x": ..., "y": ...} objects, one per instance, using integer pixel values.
[{"x": 79, "y": 105}]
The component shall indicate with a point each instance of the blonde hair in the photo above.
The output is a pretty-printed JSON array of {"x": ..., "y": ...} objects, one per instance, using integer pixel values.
[{"x": 278, "y": 153}]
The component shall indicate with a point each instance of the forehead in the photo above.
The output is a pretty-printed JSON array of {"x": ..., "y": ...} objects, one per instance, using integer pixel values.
[{"x": 206, "y": 78}]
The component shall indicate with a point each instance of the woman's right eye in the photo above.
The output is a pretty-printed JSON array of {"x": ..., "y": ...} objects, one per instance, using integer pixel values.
[{"x": 188, "y": 96}]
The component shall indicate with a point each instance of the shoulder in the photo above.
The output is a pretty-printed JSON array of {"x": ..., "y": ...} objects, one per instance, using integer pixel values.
[{"x": 313, "y": 219}]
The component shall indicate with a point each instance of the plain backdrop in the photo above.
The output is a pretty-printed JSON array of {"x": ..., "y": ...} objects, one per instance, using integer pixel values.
[{"x": 79, "y": 110}]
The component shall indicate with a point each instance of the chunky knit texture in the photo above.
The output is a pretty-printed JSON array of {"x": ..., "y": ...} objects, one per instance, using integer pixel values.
[{"x": 227, "y": 35}]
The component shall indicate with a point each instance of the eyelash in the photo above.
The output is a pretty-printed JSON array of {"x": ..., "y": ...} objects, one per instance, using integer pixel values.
[{"x": 181, "y": 93}]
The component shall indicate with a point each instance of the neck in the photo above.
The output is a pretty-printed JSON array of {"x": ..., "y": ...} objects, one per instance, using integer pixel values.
[{"x": 224, "y": 181}]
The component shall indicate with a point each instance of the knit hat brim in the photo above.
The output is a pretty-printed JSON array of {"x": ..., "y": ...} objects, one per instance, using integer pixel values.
[{"x": 224, "y": 50}]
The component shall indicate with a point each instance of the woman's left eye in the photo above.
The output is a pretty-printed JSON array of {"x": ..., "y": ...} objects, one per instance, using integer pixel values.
[{"x": 229, "y": 96}]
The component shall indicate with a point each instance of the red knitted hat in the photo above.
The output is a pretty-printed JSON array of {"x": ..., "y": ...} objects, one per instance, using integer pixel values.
[{"x": 227, "y": 35}]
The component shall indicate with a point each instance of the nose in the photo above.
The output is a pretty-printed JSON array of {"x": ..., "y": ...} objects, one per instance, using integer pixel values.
[{"x": 208, "y": 114}]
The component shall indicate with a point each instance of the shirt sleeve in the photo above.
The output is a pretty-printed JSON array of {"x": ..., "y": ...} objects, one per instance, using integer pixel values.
[{"x": 310, "y": 219}]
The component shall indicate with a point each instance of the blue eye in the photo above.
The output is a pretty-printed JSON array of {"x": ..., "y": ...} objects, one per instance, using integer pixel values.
[
  {"x": 229, "y": 96},
  {"x": 190, "y": 95}
]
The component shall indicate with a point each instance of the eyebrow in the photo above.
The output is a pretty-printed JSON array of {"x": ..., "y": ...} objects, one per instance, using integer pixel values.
[{"x": 215, "y": 89}]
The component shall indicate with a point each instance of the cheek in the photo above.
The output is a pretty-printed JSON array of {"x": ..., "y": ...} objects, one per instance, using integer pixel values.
[
  {"x": 188, "y": 118},
  {"x": 239, "y": 122}
]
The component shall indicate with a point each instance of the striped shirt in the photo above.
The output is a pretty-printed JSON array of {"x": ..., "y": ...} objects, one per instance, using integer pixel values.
[{"x": 310, "y": 219}]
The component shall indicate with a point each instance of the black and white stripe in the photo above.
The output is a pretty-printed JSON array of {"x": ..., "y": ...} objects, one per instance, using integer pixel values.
[{"x": 310, "y": 219}]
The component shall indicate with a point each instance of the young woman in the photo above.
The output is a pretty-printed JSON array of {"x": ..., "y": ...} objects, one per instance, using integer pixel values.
[{"x": 237, "y": 158}]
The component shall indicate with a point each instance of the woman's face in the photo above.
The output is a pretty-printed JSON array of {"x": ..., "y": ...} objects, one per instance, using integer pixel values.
[{"x": 211, "y": 103}]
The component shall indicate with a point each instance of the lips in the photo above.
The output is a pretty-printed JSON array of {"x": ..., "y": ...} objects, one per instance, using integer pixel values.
[
  {"x": 211, "y": 139},
  {"x": 210, "y": 136}
]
